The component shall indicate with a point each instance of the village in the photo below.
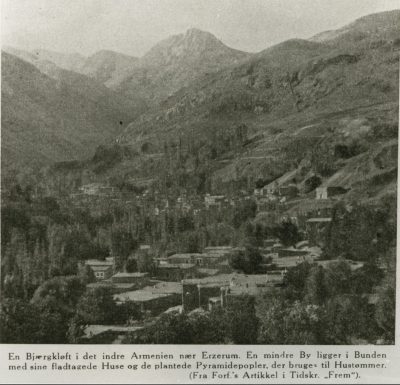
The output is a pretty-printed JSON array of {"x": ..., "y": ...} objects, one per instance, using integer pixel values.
[{"x": 202, "y": 281}]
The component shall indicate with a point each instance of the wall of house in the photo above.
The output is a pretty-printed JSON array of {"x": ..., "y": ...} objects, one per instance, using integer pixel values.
[
  {"x": 291, "y": 253},
  {"x": 134, "y": 280},
  {"x": 177, "y": 260},
  {"x": 104, "y": 274}
]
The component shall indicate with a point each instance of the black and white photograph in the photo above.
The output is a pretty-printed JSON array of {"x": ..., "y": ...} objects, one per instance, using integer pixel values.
[{"x": 186, "y": 172}]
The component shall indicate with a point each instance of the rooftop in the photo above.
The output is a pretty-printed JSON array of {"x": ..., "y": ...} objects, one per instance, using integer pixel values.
[
  {"x": 130, "y": 275},
  {"x": 218, "y": 248},
  {"x": 232, "y": 279},
  {"x": 302, "y": 244},
  {"x": 198, "y": 255},
  {"x": 165, "y": 288},
  {"x": 92, "y": 330},
  {"x": 185, "y": 255},
  {"x": 149, "y": 293},
  {"x": 138, "y": 296},
  {"x": 108, "y": 283},
  {"x": 174, "y": 309},
  {"x": 208, "y": 271},
  {"x": 98, "y": 262},
  {"x": 317, "y": 220},
  {"x": 176, "y": 266},
  {"x": 100, "y": 267}
]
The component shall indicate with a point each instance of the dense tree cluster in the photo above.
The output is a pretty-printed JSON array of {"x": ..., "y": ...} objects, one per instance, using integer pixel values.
[
  {"x": 58, "y": 312},
  {"x": 328, "y": 306},
  {"x": 362, "y": 232},
  {"x": 247, "y": 261}
]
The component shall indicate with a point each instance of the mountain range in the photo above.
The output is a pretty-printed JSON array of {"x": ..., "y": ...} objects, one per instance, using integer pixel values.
[
  {"x": 71, "y": 104},
  {"x": 338, "y": 88}
]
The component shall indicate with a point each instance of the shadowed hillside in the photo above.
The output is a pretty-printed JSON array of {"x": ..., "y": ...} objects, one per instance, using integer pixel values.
[{"x": 52, "y": 118}]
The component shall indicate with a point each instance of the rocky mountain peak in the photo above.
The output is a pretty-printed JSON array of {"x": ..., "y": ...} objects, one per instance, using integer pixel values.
[{"x": 189, "y": 46}]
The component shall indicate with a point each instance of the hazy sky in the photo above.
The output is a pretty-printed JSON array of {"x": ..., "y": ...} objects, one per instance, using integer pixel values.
[{"x": 133, "y": 26}]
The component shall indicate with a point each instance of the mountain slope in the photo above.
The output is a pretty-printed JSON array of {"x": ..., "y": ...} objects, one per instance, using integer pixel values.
[
  {"x": 376, "y": 26},
  {"x": 292, "y": 98},
  {"x": 52, "y": 118}
]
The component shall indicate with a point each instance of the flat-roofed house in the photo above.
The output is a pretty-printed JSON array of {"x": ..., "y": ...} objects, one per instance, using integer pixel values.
[
  {"x": 292, "y": 252},
  {"x": 176, "y": 271},
  {"x": 144, "y": 250},
  {"x": 211, "y": 258},
  {"x": 101, "y": 269},
  {"x": 321, "y": 193},
  {"x": 114, "y": 287},
  {"x": 214, "y": 201},
  {"x": 184, "y": 258},
  {"x": 218, "y": 249},
  {"x": 154, "y": 299},
  {"x": 329, "y": 191},
  {"x": 134, "y": 278},
  {"x": 270, "y": 189},
  {"x": 269, "y": 242},
  {"x": 289, "y": 191}
]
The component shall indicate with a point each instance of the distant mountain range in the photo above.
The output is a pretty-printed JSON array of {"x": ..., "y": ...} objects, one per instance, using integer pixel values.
[
  {"x": 337, "y": 88},
  {"x": 103, "y": 66}
]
